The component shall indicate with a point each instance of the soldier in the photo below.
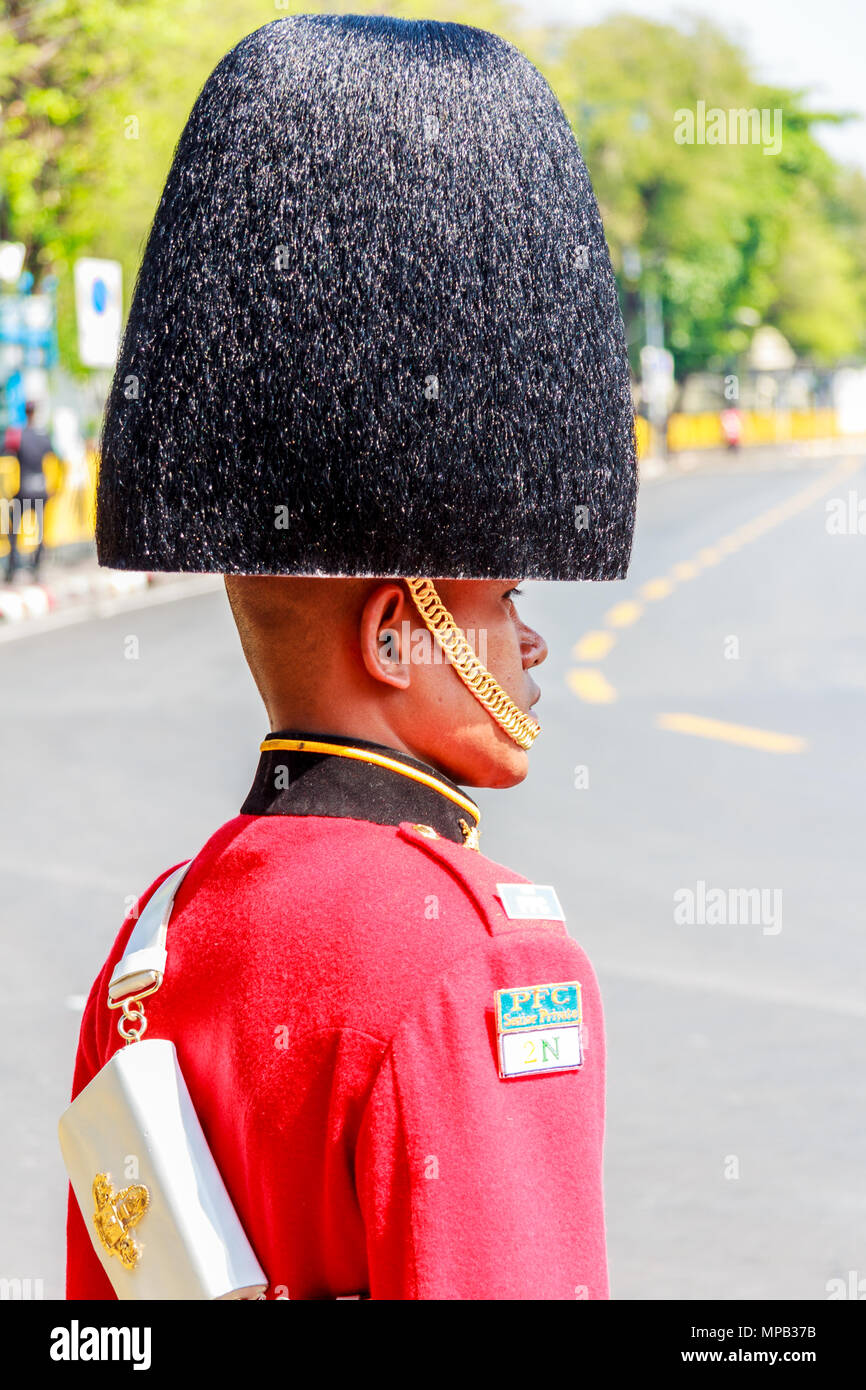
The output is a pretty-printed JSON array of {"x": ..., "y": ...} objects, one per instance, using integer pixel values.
[
  {"x": 376, "y": 338},
  {"x": 32, "y": 494}
]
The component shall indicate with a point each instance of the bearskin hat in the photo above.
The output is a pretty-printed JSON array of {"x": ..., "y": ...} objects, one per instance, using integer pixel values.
[{"x": 376, "y": 328}]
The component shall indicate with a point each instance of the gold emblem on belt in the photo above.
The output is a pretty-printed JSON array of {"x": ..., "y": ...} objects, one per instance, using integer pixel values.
[{"x": 114, "y": 1216}]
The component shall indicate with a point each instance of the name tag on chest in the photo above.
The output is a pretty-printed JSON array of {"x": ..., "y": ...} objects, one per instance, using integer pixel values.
[
  {"x": 538, "y": 1029},
  {"x": 530, "y": 901}
]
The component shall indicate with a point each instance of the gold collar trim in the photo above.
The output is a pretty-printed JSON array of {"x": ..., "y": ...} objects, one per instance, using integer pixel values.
[{"x": 365, "y": 755}]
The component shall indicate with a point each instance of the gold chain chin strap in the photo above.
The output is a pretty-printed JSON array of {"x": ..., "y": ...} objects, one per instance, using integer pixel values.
[{"x": 519, "y": 726}]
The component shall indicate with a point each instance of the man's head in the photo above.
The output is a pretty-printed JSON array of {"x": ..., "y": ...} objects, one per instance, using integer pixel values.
[
  {"x": 30, "y": 411},
  {"x": 354, "y": 657}
]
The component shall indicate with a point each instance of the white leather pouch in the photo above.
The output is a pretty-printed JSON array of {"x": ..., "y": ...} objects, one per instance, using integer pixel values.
[{"x": 160, "y": 1218}]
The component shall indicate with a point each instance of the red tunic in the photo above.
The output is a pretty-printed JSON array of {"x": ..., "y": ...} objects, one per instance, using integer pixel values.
[{"x": 330, "y": 991}]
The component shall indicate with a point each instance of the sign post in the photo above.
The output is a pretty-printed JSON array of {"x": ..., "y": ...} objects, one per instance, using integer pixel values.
[{"x": 99, "y": 310}]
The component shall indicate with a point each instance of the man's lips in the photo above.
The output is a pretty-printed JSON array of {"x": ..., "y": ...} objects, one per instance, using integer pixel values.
[{"x": 536, "y": 697}]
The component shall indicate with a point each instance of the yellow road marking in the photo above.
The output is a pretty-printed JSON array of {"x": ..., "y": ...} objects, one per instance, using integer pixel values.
[
  {"x": 656, "y": 588},
  {"x": 593, "y": 645},
  {"x": 684, "y": 570},
  {"x": 623, "y": 614},
  {"x": 764, "y": 739},
  {"x": 590, "y": 685},
  {"x": 751, "y": 531}
]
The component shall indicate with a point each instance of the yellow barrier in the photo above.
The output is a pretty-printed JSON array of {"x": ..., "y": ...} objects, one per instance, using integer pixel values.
[
  {"x": 69, "y": 514},
  {"x": 703, "y": 430},
  {"x": 643, "y": 435}
]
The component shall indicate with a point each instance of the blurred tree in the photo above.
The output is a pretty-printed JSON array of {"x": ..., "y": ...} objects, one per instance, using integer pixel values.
[
  {"x": 65, "y": 69},
  {"x": 718, "y": 228},
  {"x": 94, "y": 94},
  {"x": 93, "y": 97}
]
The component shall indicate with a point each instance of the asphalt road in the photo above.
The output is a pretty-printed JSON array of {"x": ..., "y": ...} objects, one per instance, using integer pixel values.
[{"x": 735, "y": 1148}]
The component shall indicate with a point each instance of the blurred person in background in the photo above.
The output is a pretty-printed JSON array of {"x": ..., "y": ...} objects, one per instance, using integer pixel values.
[
  {"x": 732, "y": 427},
  {"x": 32, "y": 493}
]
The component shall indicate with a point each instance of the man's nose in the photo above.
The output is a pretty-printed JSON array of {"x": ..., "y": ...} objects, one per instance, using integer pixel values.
[{"x": 533, "y": 648}]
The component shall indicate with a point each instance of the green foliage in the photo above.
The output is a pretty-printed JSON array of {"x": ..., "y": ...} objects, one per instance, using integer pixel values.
[
  {"x": 720, "y": 228},
  {"x": 94, "y": 94},
  {"x": 93, "y": 97}
]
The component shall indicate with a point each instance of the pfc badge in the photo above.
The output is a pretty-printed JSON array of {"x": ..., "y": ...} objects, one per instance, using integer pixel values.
[{"x": 538, "y": 1029}]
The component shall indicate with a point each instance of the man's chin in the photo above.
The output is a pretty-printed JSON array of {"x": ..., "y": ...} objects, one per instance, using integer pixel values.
[{"x": 506, "y": 771}]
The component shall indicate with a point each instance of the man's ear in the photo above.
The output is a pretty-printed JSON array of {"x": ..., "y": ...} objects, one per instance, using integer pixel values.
[{"x": 385, "y": 635}]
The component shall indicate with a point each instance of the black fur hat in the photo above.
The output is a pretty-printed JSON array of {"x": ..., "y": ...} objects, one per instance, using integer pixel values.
[{"x": 376, "y": 329}]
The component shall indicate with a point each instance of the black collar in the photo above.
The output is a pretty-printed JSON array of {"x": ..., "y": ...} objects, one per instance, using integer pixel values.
[{"x": 311, "y": 774}]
